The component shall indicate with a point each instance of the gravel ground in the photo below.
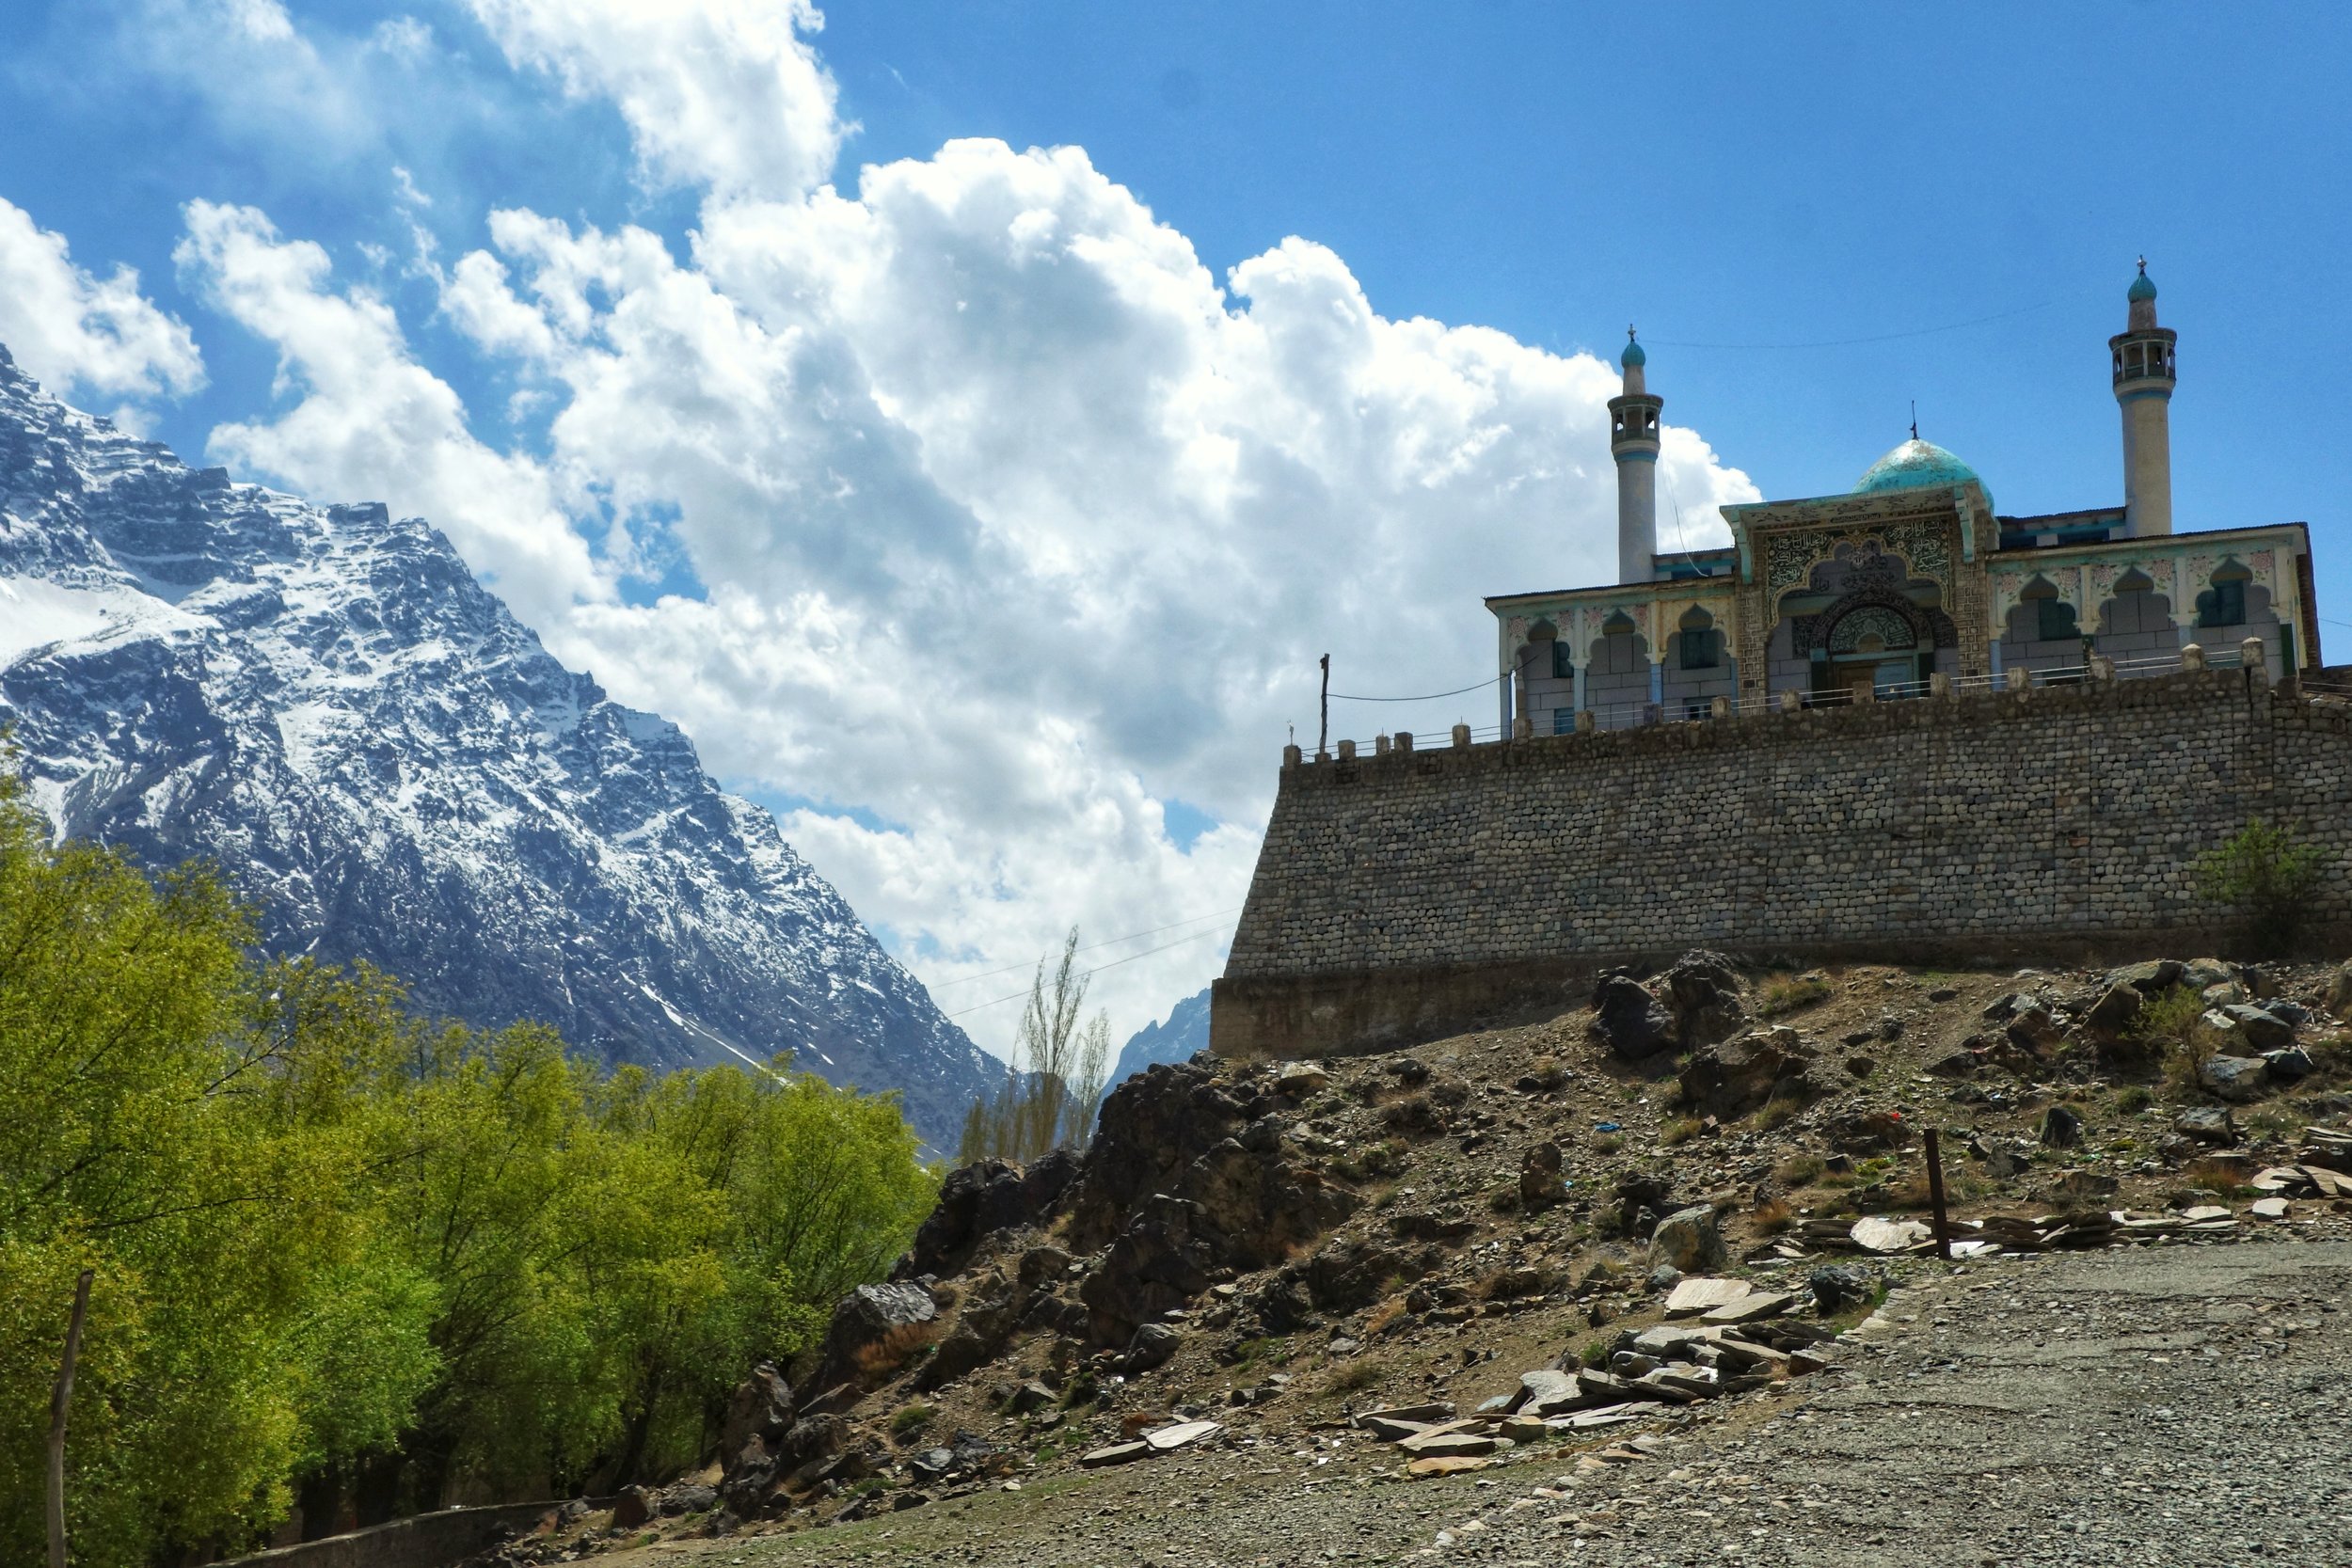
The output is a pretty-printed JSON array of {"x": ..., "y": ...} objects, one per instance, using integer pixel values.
[{"x": 2162, "y": 1405}]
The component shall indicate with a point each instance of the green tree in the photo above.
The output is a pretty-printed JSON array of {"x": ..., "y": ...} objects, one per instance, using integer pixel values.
[
  {"x": 1055, "y": 1080},
  {"x": 2269, "y": 876}
]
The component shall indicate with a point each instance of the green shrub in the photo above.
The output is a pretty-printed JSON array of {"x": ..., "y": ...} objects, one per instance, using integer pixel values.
[
  {"x": 1786, "y": 993},
  {"x": 2269, "y": 876},
  {"x": 1594, "y": 1355},
  {"x": 909, "y": 1421}
]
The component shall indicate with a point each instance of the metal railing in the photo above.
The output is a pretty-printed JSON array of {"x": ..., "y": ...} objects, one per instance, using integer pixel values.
[{"x": 1648, "y": 715}]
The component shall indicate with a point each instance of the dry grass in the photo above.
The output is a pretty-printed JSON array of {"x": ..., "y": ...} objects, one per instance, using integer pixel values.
[
  {"x": 1787, "y": 993},
  {"x": 1680, "y": 1130},
  {"x": 1799, "y": 1170},
  {"x": 1354, "y": 1377},
  {"x": 1772, "y": 1216},
  {"x": 1384, "y": 1314}
]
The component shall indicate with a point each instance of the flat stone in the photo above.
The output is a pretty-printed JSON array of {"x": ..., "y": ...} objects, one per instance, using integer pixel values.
[
  {"x": 1389, "y": 1430},
  {"x": 1182, "y": 1435},
  {"x": 2268, "y": 1209},
  {"x": 1449, "y": 1445},
  {"x": 1425, "y": 1415},
  {"x": 1118, "y": 1453},
  {"x": 1809, "y": 1361},
  {"x": 1536, "y": 1387},
  {"x": 1702, "y": 1295},
  {"x": 1757, "y": 1304},
  {"x": 2205, "y": 1211},
  {"x": 1445, "y": 1465},
  {"x": 1664, "y": 1342},
  {"x": 1873, "y": 1233}
]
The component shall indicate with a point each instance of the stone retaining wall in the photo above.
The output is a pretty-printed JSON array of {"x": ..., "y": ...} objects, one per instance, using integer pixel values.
[
  {"x": 1402, "y": 895},
  {"x": 420, "y": 1541}
]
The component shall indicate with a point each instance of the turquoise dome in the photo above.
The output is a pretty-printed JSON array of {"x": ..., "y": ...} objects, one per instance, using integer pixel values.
[
  {"x": 2143, "y": 287},
  {"x": 1912, "y": 466},
  {"x": 1632, "y": 355}
]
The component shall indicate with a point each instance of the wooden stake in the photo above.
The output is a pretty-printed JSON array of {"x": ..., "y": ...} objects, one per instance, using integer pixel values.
[
  {"x": 1936, "y": 1195},
  {"x": 1323, "y": 728},
  {"x": 58, "y": 1402}
]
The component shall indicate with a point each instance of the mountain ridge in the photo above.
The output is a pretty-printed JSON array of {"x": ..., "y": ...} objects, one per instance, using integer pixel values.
[{"x": 326, "y": 701}]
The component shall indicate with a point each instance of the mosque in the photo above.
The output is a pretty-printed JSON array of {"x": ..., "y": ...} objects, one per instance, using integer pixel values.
[{"x": 1909, "y": 584}]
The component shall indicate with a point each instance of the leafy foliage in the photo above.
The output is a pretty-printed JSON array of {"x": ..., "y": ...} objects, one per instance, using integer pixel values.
[
  {"x": 383, "y": 1261},
  {"x": 2269, "y": 876}
]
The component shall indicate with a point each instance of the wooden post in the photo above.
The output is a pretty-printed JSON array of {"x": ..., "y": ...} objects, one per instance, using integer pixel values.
[
  {"x": 59, "y": 1400},
  {"x": 1323, "y": 726},
  {"x": 1936, "y": 1195}
]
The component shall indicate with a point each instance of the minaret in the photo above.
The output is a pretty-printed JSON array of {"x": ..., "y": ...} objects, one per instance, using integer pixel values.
[
  {"x": 2143, "y": 386},
  {"x": 1633, "y": 442}
]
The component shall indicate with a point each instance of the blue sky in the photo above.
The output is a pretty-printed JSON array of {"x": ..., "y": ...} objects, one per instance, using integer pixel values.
[{"x": 1753, "y": 179}]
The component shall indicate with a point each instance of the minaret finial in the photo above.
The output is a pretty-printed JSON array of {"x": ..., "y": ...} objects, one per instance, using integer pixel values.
[
  {"x": 1914, "y": 419},
  {"x": 1629, "y": 326},
  {"x": 2143, "y": 266}
]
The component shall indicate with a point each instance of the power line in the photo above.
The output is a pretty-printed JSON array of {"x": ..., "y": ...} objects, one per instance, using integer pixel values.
[
  {"x": 1106, "y": 942},
  {"x": 1850, "y": 342},
  {"x": 1342, "y": 697},
  {"x": 1096, "y": 970}
]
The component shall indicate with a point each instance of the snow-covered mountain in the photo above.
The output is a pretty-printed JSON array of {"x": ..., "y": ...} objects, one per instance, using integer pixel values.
[
  {"x": 1186, "y": 1031},
  {"x": 327, "y": 704}
]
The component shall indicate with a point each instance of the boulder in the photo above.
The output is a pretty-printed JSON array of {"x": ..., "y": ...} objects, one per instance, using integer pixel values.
[
  {"x": 1700, "y": 991},
  {"x": 760, "y": 1409},
  {"x": 1299, "y": 1079},
  {"x": 1540, "y": 1183},
  {"x": 2155, "y": 975},
  {"x": 1867, "y": 1132},
  {"x": 874, "y": 1329},
  {"x": 2261, "y": 1028},
  {"x": 2340, "y": 992},
  {"x": 1838, "y": 1286},
  {"x": 1153, "y": 1345},
  {"x": 2289, "y": 1066},
  {"x": 2036, "y": 1029},
  {"x": 1151, "y": 1129},
  {"x": 2115, "y": 1011},
  {"x": 1739, "y": 1075},
  {"x": 2210, "y": 1125},
  {"x": 1630, "y": 1021},
  {"x": 632, "y": 1507},
  {"x": 975, "y": 1202},
  {"x": 1167, "y": 1254},
  {"x": 1689, "y": 1241},
  {"x": 2239, "y": 1078},
  {"x": 2060, "y": 1127}
]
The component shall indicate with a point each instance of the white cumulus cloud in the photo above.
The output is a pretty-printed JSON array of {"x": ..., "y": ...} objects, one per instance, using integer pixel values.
[
  {"x": 371, "y": 423},
  {"x": 723, "y": 93},
  {"x": 84, "y": 335}
]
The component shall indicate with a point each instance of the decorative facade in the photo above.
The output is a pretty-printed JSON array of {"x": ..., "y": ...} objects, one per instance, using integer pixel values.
[{"x": 1910, "y": 582}]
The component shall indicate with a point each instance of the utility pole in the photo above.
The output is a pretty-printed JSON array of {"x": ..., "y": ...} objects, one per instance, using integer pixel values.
[
  {"x": 59, "y": 1400},
  {"x": 1323, "y": 730}
]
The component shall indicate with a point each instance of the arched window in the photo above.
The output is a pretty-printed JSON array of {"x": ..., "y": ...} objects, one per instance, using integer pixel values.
[
  {"x": 1697, "y": 644},
  {"x": 2224, "y": 603},
  {"x": 2053, "y": 618}
]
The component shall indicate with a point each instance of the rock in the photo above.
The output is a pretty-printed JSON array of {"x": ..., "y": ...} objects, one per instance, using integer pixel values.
[
  {"x": 1117, "y": 1453},
  {"x": 1299, "y": 1079},
  {"x": 2060, "y": 1127},
  {"x": 1873, "y": 1233},
  {"x": 1689, "y": 1241},
  {"x": 2261, "y": 1028},
  {"x": 1420, "y": 1415},
  {"x": 1540, "y": 1183},
  {"x": 2002, "y": 1009},
  {"x": 1444, "y": 1465},
  {"x": 2036, "y": 1029},
  {"x": 1867, "y": 1132},
  {"x": 1030, "y": 1397},
  {"x": 2239, "y": 1078},
  {"x": 2201, "y": 974},
  {"x": 1182, "y": 1434},
  {"x": 692, "y": 1497},
  {"x": 1149, "y": 1131},
  {"x": 1701, "y": 990},
  {"x": 1958, "y": 1064},
  {"x": 760, "y": 1409},
  {"x": 2157, "y": 975},
  {"x": 1153, "y": 1345},
  {"x": 1665, "y": 1277},
  {"x": 1545, "y": 1392},
  {"x": 1741, "y": 1075},
  {"x": 874, "y": 1329},
  {"x": 2086, "y": 1186},
  {"x": 1448, "y": 1445},
  {"x": 1695, "y": 1296},
  {"x": 1630, "y": 1021},
  {"x": 2289, "y": 1066},
  {"x": 2268, "y": 1209},
  {"x": 2210, "y": 1125},
  {"x": 2004, "y": 1160},
  {"x": 1837, "y": 1286},
  {"x": 1861, "y": 1067},
  {"x": 1809, "y": 1361},
  {"x": 2115, "y": 1010},
  {"x": 1390, "y": 1429},
  {"x": 1751, "y": 1307},
  {"x": 633, "y": 1509},
  {"x": 2339, "y": 1000}
]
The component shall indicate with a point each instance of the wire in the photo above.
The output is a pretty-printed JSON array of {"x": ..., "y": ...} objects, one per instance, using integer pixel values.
[
  {"x": 1343, "y": 697},
  {"x": 1849, "y": 343},
  {"x": 1096, "y": 970},
  {"x": 1106, "y": 942}
]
